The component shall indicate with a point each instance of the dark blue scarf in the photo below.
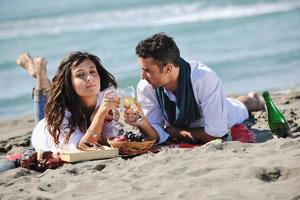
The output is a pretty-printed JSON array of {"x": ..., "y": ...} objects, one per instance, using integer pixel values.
[{"x": 185, "y": 110}]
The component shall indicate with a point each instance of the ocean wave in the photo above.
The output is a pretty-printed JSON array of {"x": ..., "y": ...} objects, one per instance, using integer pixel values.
[
  {"x": 242, "y": 56},
  {"x": 170, "y": 14}
]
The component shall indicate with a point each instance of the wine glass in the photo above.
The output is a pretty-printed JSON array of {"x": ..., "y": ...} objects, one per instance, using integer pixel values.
[
  {"x": 129, "y": 96},
  {"x": 112, "y": 94}
]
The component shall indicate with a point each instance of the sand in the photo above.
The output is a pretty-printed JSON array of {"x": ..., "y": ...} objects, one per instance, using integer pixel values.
[{"x": 267, "y": 169}]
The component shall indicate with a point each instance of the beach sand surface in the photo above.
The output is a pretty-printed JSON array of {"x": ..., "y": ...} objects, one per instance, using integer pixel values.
[{"x": 267, "y": 169}]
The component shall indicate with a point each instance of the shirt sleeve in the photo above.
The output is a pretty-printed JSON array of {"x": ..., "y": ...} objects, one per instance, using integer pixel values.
[
  {"x": 146, "y": 95},
  {"x": 41, "y": 139},
  {"x": 64, "y": 129},
  {"x": 212, "y": 103}
]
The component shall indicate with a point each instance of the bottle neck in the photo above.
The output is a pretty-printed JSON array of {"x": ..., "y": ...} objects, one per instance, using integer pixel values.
[
  {"x": 267, "y": 98},
  {"x": 273, "y": 111}
]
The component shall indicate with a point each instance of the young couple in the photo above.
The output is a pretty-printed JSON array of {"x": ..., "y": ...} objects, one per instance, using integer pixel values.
[{"x": 176, "y": 99}]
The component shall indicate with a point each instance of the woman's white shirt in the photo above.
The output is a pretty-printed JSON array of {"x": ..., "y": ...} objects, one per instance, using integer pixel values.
[{"x": 42, "y": 140}]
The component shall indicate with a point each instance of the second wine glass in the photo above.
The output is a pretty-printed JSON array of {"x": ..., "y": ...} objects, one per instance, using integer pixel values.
[{"x": 129, "y": 96}]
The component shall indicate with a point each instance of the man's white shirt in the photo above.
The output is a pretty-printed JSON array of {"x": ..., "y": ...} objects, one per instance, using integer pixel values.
[{"x": 218, "y": 113}]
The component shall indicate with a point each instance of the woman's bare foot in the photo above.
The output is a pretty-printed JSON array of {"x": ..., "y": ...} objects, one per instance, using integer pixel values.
[
  {"x": 26, "y": 61},
  {"x": 259, "y": 103}
]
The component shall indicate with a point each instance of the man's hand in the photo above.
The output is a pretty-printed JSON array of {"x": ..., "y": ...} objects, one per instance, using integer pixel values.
[
  {"x": 179, "y": 134},
  {"x": 134, "y": 117},
  {"x": 189, "y": 135}
]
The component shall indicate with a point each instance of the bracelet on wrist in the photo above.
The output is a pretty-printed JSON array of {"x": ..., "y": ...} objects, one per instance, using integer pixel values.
[
  {"x": 139, "y": 118},
  {"x": 92, "y": 133}
]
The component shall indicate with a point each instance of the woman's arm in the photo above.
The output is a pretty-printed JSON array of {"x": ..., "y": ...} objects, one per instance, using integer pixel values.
[{"x": 93, "y": 134}]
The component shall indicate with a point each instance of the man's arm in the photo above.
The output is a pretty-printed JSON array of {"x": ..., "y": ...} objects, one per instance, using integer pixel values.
[
  {"x": 189, "y": 135},
  {"x": 208, "y": 89},
  {"x": 145, "y": 127},
  {"x": 138, "y": 119},
  {"x": 152, "y": 111}
]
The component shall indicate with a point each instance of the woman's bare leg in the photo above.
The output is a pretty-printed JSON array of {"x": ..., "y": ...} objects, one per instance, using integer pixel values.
[
  {"x": 43, "y": 83},
  {"x": 37, "y": 69},
  {"x": 252, "y": 102},
  {"x": 41, "y": 88}
]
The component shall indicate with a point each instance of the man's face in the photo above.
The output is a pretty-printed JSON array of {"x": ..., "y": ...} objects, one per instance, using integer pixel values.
[{"x": 151, "y": 72}]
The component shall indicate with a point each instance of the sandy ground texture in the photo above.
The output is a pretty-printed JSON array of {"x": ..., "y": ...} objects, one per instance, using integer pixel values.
[{"x": 268, "y": 169}]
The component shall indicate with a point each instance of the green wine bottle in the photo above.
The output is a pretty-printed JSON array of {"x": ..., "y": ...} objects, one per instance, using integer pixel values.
[{"x": 277, "y": 121}]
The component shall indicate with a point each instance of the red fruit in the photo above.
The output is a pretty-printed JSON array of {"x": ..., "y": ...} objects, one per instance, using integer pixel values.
[{"x": 120, "y": 138}]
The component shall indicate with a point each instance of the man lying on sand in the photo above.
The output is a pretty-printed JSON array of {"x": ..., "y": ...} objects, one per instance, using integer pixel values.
[{"x": 183, "y": 100}]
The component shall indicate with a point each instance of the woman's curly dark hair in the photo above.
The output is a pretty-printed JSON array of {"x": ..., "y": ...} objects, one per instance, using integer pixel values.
[{"x": 62, "y": 95}]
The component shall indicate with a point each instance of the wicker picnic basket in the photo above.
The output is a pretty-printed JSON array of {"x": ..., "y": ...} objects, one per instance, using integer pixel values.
[{"x": 131, "y": 148}]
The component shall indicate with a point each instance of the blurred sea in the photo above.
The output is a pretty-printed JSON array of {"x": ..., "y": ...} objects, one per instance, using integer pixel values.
[{"x": 251, "y": 44}]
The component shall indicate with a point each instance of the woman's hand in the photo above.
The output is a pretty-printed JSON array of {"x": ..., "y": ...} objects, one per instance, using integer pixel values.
[
  {"x": 109, "y": 106},
  {"x": 89, "y": 142},
  {"x": 86, "y": 146},
  {"x": 101, "y": 114},
  {"x": 112, "y": 115}
]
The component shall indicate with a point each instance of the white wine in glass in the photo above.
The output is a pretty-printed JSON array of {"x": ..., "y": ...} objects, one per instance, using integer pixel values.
[{"x": 129, "y": 96}]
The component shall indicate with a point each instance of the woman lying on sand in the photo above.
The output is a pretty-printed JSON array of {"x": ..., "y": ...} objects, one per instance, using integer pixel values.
[{"x": 78, "y": 102}]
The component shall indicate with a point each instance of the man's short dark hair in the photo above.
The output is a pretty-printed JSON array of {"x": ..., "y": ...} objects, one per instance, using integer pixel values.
[{"x": 161, "y": 48}]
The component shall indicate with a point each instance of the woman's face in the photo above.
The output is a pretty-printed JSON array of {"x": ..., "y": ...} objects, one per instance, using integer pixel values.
[{"x": 85, "y": 79}]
